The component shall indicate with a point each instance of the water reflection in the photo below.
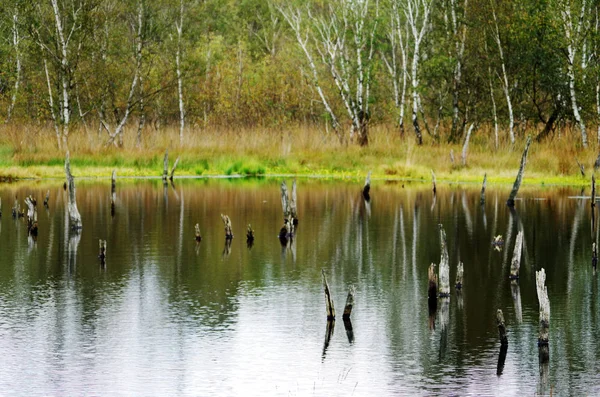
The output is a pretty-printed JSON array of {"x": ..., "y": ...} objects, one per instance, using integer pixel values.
[{"x": 168, "y": 312}]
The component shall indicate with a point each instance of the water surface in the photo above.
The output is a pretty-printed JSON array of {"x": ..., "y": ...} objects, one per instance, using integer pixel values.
[{"x": 168, "y": 316}]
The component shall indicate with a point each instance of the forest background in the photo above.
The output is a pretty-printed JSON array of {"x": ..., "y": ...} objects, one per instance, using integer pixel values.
[{"x": 399, "y": 87}]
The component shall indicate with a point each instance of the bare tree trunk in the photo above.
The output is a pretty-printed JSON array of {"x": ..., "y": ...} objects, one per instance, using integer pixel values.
[
  {"x": 74, "y": 216},
  {"x": 459, "y": 45},
  {"x": 466, "y": 145},
  {"x": 15, "y": 41},
  {"x": 506, "y": 86},
  {"x": 179, "y": 27},
  {"x": 51, "y": 106},
  {"x": 63, "y": 45},
  {"x": 494, "y": 111}
]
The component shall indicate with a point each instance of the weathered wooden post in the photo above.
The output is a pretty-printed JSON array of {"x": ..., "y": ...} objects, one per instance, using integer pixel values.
[
  {"x": 249, "y": 234},
  {"x": 542, "y": 294},
  {"x": 515, "y": 264},
  {"x": 227, "y": 223},
  {"x": 367, "y": 187},
  {"x": 459, "y": 275},
  {"x": 513, "y": 194},
  {"x": 294, "y": 205},
  {"x": 198, "y": 236},
  {"x": 102, "y": 254},
  {"x": 433, "y": 183},
  {"x": 174, "y": 168},
  {"x": 349, "y": 303},
  {"x": 329, "y": 308},
  {"x": 444, "y": 267},
  {"x": 74, "y": 216},
  {"x": 46, "y": 199},
  {"x": 165, "y": 167},
  {"x": 482, "y": 198}
]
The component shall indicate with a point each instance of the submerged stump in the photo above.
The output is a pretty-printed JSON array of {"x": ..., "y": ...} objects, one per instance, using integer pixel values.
[
  {"x": 32, "y": 225},
  {"x": 482, "y": 197},
  {"x": 46, "y": 199},
  {"x": 198, "y": 236},
  {"x": 542, "y": 294},
  {"x": 349, "y": 303},
  {"x": 249, "y": 234},
  {"x": 102, "y": 253},
  {"x": 367, "y": 187},
  {"x": 165, "y": 167},
  {"x": 501, "y": 328},
  {"x": 459, "y": 275}
]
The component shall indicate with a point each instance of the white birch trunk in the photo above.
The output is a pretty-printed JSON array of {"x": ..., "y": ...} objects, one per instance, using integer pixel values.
[
  {"x": 179, "y": 27},
  {"x": 64, "y": 63},
  {"x": 51, "y": 106},
  {"x": 598, "y": 109},
  {"x": 466, "y": 145},
  {"x": 494, "y": 110},
  {"x": 505, "y": 86},
  {"x": 459, "y": 45},
  {"x": 15, "y": 41}
]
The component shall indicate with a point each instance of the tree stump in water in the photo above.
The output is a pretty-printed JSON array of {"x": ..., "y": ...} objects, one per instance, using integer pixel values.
[
  {"x": 227, "y": 223},
  {"x": 249, "y": 234},
  {"x": 102, "y": 253},
  {"x": 513, "y": 194},
  {"x": 594, "y": 255},
  {"x": 482, "y": 197},
  {"x": 542, "y": 294},
  {"x": 433, "y": 282},
  {"x": 0, "y": 207},
  {"x": 329, "y": 308},
  {"x": 593, "y": 197},
  {"x": 16, "y": 209},
  {"x": 113, "y": 192},
  {"x": 32, "y": 225},
  {"x": 459, "y": 275},
  {"x": 198, "y": 236},
  {"x": 290, "y": 220},
  {"x": 349, "y": 303},
  {"x": 515, "y": 264},
  {"x": 444, "y": 267},
  {"x": 501, "y": 328},
  {"x": 433, "y": 182},
  {"x": 165, "y": 167},
  {"x": 174, "y": 168},
  {"x": 74, "y": 216},
  {"x": 46, "y": 199},
  {"x": 367, "y": 187}
]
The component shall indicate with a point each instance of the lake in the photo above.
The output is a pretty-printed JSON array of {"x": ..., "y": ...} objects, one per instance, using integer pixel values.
[{"x": 169, "y": 316}]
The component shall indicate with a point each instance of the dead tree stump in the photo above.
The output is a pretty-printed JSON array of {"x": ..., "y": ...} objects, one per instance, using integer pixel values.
[
  {"x": 198, "y": 236},
  {"x": 367, "y": 187},
  {"x": 289, "y": 212},
  {"x": 74, "y": 216},
  {"x": 165, "y": 167},
  {"x": 513, "y": 194},
  {"x": 501, "y": 328},
  {"x": 113, "y": 192},
  {"x": 515, "y": 264},
  {"x": 174, "y": 168},
  {"x": 594, "y": 256},
  {"x": 46, "y": 199},
  {"x": 459, "y": 275},
  {"x": 227, "y": 223},
  {"x": 542, "y": 294},
  {"x": 102, "y": 253},
  {"x": 433, "y": 182},
  {"x": 32, "y": 225},
  {"x": 444, "y": 267},
  {"x": 593, "y": 191},
  {"x": 249, "y": 234},
  {"x": 330, "y": 310},
  {"x": 482, "y": 197},
  {"x": 432, "y": 290}
]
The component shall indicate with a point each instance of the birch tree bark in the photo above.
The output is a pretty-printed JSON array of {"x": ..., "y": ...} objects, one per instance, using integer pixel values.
[
  {"x": 16, "y": 39},
  {"x": 179, "y": 28},
  {"x": 460, "y": 36},
  {"x": 505, "y": 85},
  {"x": 574, "y": 31},
  {"x": 417, "y": 14}
]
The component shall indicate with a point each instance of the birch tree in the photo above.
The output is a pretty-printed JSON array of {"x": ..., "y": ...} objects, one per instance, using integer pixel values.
[
  {"x": 573, "y": 17},
  {"x": 505, "y": 85},
  {"x": 179, "y": 29},
  {"x": 16, "y": 40},
  {"x": 458, "y": 28},
  {"x": 397, "y": 36},
  {"x": 342, "y": 37},
  {"x": 417, "y": 14}
]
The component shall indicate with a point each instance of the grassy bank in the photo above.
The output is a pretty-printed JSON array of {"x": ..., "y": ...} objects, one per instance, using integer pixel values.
[{"x": 31, "y": 152}]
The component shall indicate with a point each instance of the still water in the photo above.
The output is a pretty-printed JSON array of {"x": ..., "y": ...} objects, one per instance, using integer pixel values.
[{"x": 168, "y": 316}]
